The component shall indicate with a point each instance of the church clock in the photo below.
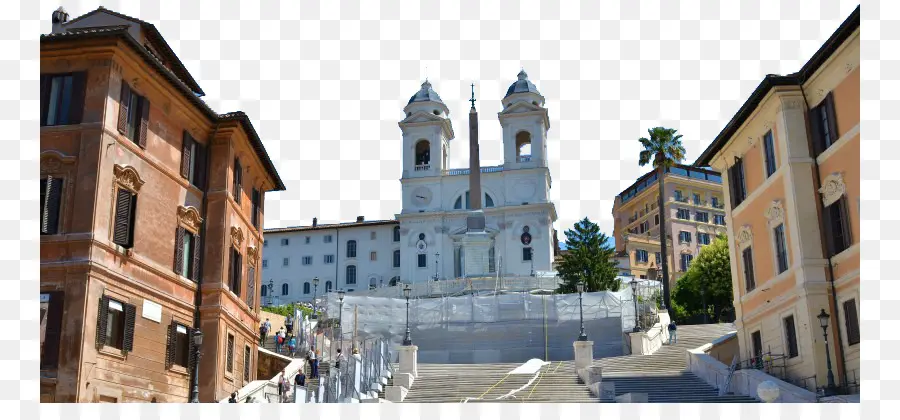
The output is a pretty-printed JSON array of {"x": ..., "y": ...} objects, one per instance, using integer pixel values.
[{"x": 422, "y": 196}]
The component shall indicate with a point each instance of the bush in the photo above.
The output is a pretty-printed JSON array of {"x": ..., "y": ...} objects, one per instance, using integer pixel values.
[{"x": 285, "y": 310}]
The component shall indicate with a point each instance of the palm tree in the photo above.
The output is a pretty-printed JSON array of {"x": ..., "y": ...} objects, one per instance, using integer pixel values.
[{"x": 663, "y": 149}]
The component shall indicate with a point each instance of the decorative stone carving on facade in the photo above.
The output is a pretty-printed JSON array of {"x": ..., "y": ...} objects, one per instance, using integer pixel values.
[
  {"x": 701, "y": 229},
  {"x": 128, "y": 177},
  {"x": 53, "y": 161},
  {"x": 189, "y": 217},
  {"x": 849, "y": 67},
  {"x": 252, "y": 254},
  {"x": 720, "y": 231},
  {"x": 744, "y": 237},
  {"x": 237, "y": 236},
  {"x": 792, "y": 103},
  {"x": 833, "y": 188},
  {"x": 775, "y": 213}
]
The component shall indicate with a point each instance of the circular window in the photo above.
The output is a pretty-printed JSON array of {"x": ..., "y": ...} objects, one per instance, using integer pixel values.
[
  {"x": 526, "y": 229},
  {"x": 421, "y": 236}
]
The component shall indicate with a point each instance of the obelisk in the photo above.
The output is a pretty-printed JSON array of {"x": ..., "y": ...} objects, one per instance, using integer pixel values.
[{"x": 476, "y": 244}]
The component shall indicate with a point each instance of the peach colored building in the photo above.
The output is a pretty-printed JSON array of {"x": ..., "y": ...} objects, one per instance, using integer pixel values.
[
  {"x": 151, "y": 218},
  {"x": 791, "y": 162},
  {"x": 694, "y": 216}
]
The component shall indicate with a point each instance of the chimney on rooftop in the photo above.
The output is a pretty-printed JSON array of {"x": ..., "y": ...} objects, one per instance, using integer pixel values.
[
  {"x": 59, "y": 18},
  {"x": 360, "y": 218},
  {"x": 315, "y": 221}
]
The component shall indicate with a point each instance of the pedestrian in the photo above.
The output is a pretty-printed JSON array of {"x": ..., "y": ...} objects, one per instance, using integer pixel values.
[
  {"x": 279, "y": 341},
  {"x": 249, "y": 400},
  {"x": 292, "y": 346},
  {"x": 281, "y": 386},
  {"x": 314, "y": 364},
  {"x": 300, "y": 379},
  {"x": 264, "y": 331},
  {"x": 289, "y": 322},
  {"x": 339, "y": 359},
  {"x": 673, "y": 332},
  {"x": 233, "y": 398}
]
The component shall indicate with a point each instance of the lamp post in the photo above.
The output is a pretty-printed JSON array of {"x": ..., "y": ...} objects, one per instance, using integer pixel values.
[
  {"x": 341, "y": 316},
  {"x": 198, "y": 340},
  {"x": 315, "y": 314},
  {"x": 830, "y": 389},
  {"x": 271, "y": 291},
  {"x": 436, "y": 262},
  {"x": 634, "y": 283},
  {"x": 580, "y": 286},
  {"x": 407, "y": 340}
]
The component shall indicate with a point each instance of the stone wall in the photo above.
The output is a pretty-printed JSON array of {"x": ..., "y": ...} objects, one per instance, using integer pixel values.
[{"x": 270, "y": 364}]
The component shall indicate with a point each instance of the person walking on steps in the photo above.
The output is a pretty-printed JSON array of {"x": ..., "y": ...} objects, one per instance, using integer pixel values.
[
  {"x": 314, "y": 364},
  {"x": 282, "y": 386},
  {"x": 292, "y": 346},
  {"x": 264, "y": 329},
  {"x": 289, "y": 323},
  {"x": 233, "y": 398},
  {"x": 673, "y": 332}
]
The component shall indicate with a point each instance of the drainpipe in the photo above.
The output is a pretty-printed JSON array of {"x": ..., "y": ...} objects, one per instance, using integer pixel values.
[
  {"x": 204, "y": 206},
  {"x": 839, "y": 349}
]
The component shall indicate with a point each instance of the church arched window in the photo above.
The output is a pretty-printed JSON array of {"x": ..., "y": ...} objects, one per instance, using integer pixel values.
[
  {"x": 458, "y": 204},
  {"x": 396, "y": 233},
  {"x": 284, "y": 289},
  {"x": 523, "y": 146},
  {"x": 306, "y": 288},
  {"x": 423, "y": 155}
]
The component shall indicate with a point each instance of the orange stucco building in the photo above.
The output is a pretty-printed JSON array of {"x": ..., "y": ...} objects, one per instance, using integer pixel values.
[
  {"x": 790, "y": 164},
  {"x": 151, "y": 218}
]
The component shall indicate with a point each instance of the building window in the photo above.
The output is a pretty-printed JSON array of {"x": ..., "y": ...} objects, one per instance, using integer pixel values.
[
  {"x": 750, "y": 281},
  {"x": 790, "y": 334},
  {"x": 684, "y": 237},
  {"x": 697, "y": 199},
  {"x": 396, "y": 258},
  {"x": 683, "y": 214},
  {"x": 51, "y": 200},
  {"x": 645, "y": 226},
  {"x": 193, "y": 160},
  {"x": 284, "y": 289},
  {"x": 246, "y": 363},
  {"x": 229, "y": 354},
  {"x": 285, "y": 262},
  {"x": 251, "y": 286},
  {"x": 264, "y": 292},
  {"x": 329, "y": 259},
  {"x": 701, "y": 217},
  {"x": 656, "y": 219},
  {"x": 255, "y": 198},
  {"x": 527, "y": 253},
  {"x": 736, "y": 183},
  {"x": 641, "y": 256},
  {"x": 307, "y": 260},
  {"x": 134, "y": 113},
  {"x": 123, "y": 227},
  {"x": 265, "y": 243},
  {"x": 837, "y": 226},
  {"x": 423, "y": 260},
  {"x": 824, "y": 125},
  {"x": 769, "y": 153},
  {"x": 463, "y": 200},
  {"x": 238, "y": 173},
  {"x": 306, "y": 288},
  {"x": 327, "y": 239},
  {"x": 372, "y": 235},
  {"x": 62, "y": 98},
  {"x": 678, "y": 196},
  {"x": 703, "y": 238},
  {"x": 396, "y": 233},
  {"x": 780, "y": 249},
  {"x": 719, "y": 219},
  {"x": 658, "y": 258},
  {"x": 178, "y": 346},
  {"x": 234, "y": 272},
  {"x": 187, "y": 257},
  {"x": 351, "y": 249},
  {"x": 686, "y": 261},
  {"x": 351, "y": 274},
  {"x": 51, "y": 328},
  {"x": 285, "y": 241},
  {"x": 715, "y": 202},
  {"x": 373, "y": 256},
  {"x": 265, "y": 263},
  {"x": 851, "y": 322},
  {"x": 328, "y": 286},
  {"x": 307, "y": 239},
  {"x": 115, "y": 325},
  {"x": 756, "y": 339}
]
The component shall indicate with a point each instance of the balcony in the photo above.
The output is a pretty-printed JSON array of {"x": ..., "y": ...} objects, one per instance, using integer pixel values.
[
  {"x": 719, "y": 206},
  {"x": 523, "y": 158},
  {"x": 681, "y": 199},
  {"x": 423, "y": 167}
]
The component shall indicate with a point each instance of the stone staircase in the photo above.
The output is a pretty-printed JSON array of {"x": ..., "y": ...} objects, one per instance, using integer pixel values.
[{"x": 662, "y": 376}]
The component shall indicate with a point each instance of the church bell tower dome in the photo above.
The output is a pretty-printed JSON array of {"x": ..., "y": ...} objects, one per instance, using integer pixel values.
[{"x": 427, "y": 100}]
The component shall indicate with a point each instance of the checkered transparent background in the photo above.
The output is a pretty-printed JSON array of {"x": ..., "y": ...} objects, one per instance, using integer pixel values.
[{"x": 325, "y": 84}]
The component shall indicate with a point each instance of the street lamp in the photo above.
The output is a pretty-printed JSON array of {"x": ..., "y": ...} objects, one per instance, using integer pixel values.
[
  {"x": 407, "y": 340},
  {"x": 634, "y": 283},
  {"x": 580, "y": 286},
  {"x": 315, "y": 314},
  {"x": 823, "y": 322},
  {"x": 341, "y": 316},
  {"x": 271, "y": 291},
  {"x": 198, "y": 340},
  {"x": 436, "y": 263}
]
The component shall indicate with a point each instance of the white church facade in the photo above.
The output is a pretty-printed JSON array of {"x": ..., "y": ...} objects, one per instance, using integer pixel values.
[{"x": 428, "y": 233}]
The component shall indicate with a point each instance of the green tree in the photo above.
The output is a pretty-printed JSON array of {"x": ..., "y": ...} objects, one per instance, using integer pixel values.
[
  {"x": 704, "y": 293},
  {"x": 663, "y": 149},
  {"x": 589, "y": 259}
]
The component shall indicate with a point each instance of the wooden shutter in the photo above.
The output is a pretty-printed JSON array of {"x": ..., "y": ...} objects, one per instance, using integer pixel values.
[
  {"x": 123, "y": 217},
  {"x": 76, "y": 103},
  {"x": 246, "y": 363},
  {"x": 124, "y": 101},
  {"x": 170, "y": 344},
  {"x": 45, "y": 97},
  {"x": 200, "y": 168},
  {"x": 50, "y": 211},
  {"x": 251, "y": 286},
  {"x": 52, "y": 335},
  {"x": 238, "y": 175},
  {"x": 196, "y": 250},
  {"x": 748, "y": 269},
  {"x": 832, "y": 120},
  {"x": 845, "y": 222},
  {"x": 102, "y": 314},
  {"x": 179, "y": 251},
  {"x": 851, "y": 322},
  {"x": 229, "y": 353},
  {"x": 130, "y": 314},
  {"x": 43, "y": 202},
  {"x": 231, "y": 269},
  {"x": 145, "y": 122},
  {"x": 186, "y": 142},
  {"x": 237, "y": 273}
]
